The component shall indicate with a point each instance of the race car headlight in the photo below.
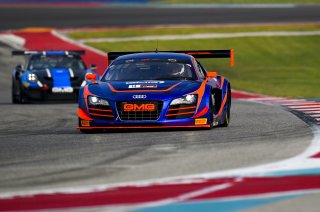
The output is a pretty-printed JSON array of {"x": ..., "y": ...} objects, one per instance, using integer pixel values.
[
  {"x": 32, "y": 77},
  {"x": 93, "y": 100},
  {"x": 188, "y": 99}
]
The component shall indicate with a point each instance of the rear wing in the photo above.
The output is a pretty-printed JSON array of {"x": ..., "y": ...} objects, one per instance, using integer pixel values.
[
  {"x": 196, "y": 53},
  {"x": 44, "y": 53}
]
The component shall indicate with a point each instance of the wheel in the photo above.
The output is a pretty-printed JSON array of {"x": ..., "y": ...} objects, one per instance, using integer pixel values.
[
  {"x": 227, "y": 115},
  {"x": 22, "y": 97},
  {"x": 226, "y": 119},
  {"x": 211, "y": 108},
  {"x": 14, "y": 98},
  {"x": 18, "y": 97}
]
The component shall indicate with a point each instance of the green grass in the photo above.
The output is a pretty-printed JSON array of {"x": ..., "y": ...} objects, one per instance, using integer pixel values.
[
  {"x": 240, "y": 1},
  {"x": 129, "y": 32},
  {"x": 278, "y": 66}
]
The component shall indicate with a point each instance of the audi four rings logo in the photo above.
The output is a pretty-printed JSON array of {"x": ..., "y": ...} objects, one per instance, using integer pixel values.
[{"x": 139, "y": 96}]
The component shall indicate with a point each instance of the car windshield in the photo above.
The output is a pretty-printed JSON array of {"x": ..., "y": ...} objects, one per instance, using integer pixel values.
[
  {"x": 150, "y": 69},
  {"x": 56, "y": 61}
]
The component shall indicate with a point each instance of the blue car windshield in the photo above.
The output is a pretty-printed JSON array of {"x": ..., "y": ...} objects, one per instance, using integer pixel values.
[
  {"x": 149, "y": 69},
  {"x": 56, "y": 61}
]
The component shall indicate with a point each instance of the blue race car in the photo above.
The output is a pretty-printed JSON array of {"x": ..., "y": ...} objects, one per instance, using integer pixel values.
[
  {"x": 156, "y": 90},
  {"x": 49, "y": 75}
]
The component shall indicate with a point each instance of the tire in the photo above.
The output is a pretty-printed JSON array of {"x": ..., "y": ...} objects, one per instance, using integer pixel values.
[
  {"x": 19, "y": 98},
  {"x": 22, "y": 97},
  {"x": 227, "y": 115},
  {"x": 211, "y": 108},
  {"x": 14, "y": 98}
]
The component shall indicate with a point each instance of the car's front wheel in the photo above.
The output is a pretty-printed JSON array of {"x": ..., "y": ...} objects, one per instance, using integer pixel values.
[
  {"x": 227, "y": 114},
  {"x": 18, "y": 97},
  {"x": 14, "y": 96},
  {"x": 211, "y": 108}
]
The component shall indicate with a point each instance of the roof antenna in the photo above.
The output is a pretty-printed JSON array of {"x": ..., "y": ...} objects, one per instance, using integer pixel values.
[{"x": 157, "y": 47}]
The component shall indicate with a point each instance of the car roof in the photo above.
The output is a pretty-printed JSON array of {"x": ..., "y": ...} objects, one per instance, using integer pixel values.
[{"x": 155, "y": 55}]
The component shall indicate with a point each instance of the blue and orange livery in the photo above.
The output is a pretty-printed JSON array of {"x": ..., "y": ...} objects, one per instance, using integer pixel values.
[{"x": 156, "y": 90}]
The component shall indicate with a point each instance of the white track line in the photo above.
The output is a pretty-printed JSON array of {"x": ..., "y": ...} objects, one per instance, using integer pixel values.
[
  {"x": 306, "y": 103},
  {"x": 304, "y": 106},
  {"x": 292, "y": 103},
  {"x": 312, "y": 112},
  {"x": 308, "y": 109},
  {"x": 12, "y": 40},
  {"x": 315, "y": 115},
  {"x": 265, "y": 99},
  {"x": 283, "y": 100},
  {"x": 61, "y": 36},
  {"x": 203, "y": 36}
]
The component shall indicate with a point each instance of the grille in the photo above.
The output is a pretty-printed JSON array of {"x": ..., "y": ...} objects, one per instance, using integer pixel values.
[
  {"x": 139, "y": 115},
  {"x": 101, "y": 112},
  {"x": 181, "y": 111}
]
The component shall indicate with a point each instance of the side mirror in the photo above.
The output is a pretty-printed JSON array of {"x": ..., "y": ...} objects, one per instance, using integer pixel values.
[
  {"x": 93, "y": 67},
  {"x": 19, "y": 68},
  {"x": 91, "y": 77},
  {"x": 212, "y": 74}
]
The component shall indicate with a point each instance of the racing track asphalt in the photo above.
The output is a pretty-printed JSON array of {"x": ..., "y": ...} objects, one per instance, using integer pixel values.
[
  {"x": 69, "y": 17},
  {"x": 41, "y": 148}
]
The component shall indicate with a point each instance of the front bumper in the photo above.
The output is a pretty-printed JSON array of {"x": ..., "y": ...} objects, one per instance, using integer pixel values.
[
  {"x": 142, "y": 127},
  {"x": 87, "y": 121},
  {"x": 37, "y": 93},
  {"x": 113, "y": 124}
]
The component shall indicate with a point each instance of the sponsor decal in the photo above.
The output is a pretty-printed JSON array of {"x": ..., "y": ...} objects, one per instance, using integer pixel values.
[
  {"x": 139, "y": 96},
  {"x": 143, "y": 86},
  {"x": 85, "y": 123},
  {"x": 200, "y": 121},
  {"x": 145, "y": 82},
  {"x": 138, "y": 107},
  {"x": 149, "y": 86},
  {"x": 134, "y": 86},
  {"x": 62, "y": 90}
]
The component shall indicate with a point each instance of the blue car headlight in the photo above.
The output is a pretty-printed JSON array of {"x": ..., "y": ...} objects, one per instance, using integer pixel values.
[
  {"x": 187, "y": 99},
  {"x": 32, "y": 77},
  {"x": 93, "y": 100}
]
